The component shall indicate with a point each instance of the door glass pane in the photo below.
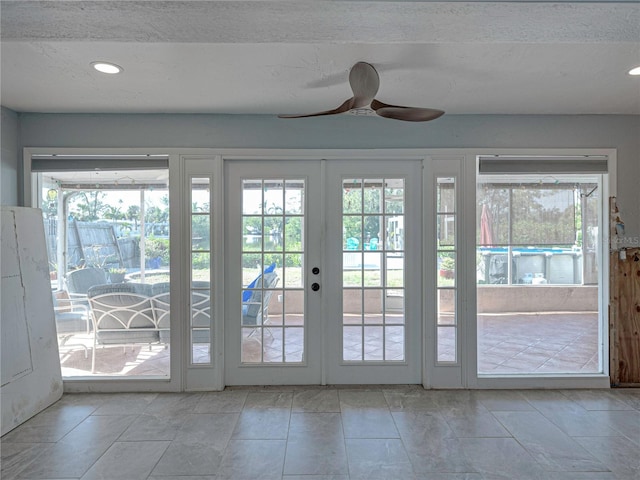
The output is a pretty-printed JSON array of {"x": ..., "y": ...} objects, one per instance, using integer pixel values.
[
  {"x": 394, "y": 343},
  {"x": 352, "y": 343},
  {"x": 373, "y": 197},
  {"x": 294, "y": 197},
  {"x": 200, "y": 311},
  {"x": 373, "y": 309},
  {"x": 446, "y": 306},
  {"x": 394, "y": 197},
  {"x": 373, "y": 279},
  {"x": 293, "y": 344},
  {"x": 374, "y": 341},
  {"x": 200, "y": 270},
  {"x": 200, "y": 201},
  {"x": 272, "y": 301},
  {"x": 394, "y": 275},
  {"x": 251, "y": 197},
  {"x": 272, "y": 345},
  {"x": 394, "y": 232},
  {"x": 293, "y": 273},
  {"x": 200, "y": 231},
  {"x": 252, "y": 233},
  {"x": 293, "y": 230},
  {"x": 351, "y": 306},
  {"x": 352, "y": 236},
  {"x": 293, "y": 305},
  {"x": 352, "y": 196},
  {"x": 201, "y": 325},
  {"x": 352, "y": 269},
  {"x": 446, "y": 268},
  {"x": 446, "y": 344},
  {"x": 274, "y": 197},
  {"x": 446, "y": 229},
  {"x": 371, "y": 227},
  {"x": 372, "y": 269},
  {"x": 446, "y": 195},
  {"x": 272, "y": 236},
  {"x": 251, "y": 345}
]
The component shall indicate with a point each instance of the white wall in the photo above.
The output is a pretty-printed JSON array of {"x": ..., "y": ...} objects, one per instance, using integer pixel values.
[
  {"x": 9, "y": 172},
  {"x": 256, "y": 131}
]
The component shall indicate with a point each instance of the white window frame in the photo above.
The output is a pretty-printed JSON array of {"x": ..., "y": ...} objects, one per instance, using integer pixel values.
[
  {"x": 212, "y": 378},
  {"x": 589, "y": 380},
  {"x": 132, "y": 383},
  {"x": 206, "y": 376}
]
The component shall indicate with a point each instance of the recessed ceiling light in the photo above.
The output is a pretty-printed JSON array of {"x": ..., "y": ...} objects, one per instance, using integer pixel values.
[
  {"x": 106, "y": 67},
  {"x": 635, "y": 70}
]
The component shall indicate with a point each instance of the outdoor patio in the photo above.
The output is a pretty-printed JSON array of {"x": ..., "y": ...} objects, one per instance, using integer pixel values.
[
  {"x": 554, "y": 342},
  {"x": 538, "y": 343}
]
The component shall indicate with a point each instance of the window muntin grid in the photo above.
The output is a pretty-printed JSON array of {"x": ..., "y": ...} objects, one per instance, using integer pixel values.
[
  {"x": 200, "y": 325},
  {"x": 273, "y": 320},
  {"x": 373, "y": 270},
  {"x": 447, "y": 260}
]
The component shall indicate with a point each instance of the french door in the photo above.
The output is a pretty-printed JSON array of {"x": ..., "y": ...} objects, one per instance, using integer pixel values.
[{"x": 322, "y": 272}]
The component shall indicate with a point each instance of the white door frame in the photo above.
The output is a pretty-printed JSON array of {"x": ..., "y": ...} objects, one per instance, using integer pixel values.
[
  {"x": 409, "y": 371},
  {"x": 309, "y": 371},
  {"x": 326, "y": 243},
  {"x": 199, "y": 376}
]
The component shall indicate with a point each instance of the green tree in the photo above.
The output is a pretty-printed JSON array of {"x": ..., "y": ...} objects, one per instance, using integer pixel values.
[
  {"x": 87, "y": 206},
  {"x": 367, "y": 207},
  {"x": 155, "y": 214},
  {"x": 538, "y": 214},
  {"x": 200, "y": 232},
  {"x": 112, "y": 212}
]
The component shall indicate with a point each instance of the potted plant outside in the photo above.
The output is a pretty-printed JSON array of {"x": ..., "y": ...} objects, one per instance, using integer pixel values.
[
  {"x": 116, "y": 275},
  {"x": 447, "y": 267}
]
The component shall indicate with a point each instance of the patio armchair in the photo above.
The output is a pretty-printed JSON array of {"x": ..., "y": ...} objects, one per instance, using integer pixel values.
[
  {"x": 71, "y": 317},
  {"x": 122, "y": 314},
  {"x": 255, "y": 308},
  {"x": 200, "y": 310},
  {"x": 353, "y": 243},
  {"x": 80, "y": 281}
]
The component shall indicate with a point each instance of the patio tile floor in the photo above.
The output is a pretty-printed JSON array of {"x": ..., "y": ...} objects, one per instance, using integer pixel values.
[{"x": 507, "y": 344}]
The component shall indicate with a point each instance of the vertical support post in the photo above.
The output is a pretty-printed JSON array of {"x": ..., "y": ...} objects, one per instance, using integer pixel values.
[
  {"x": 583, "y": 228},
  {"x": 142, "y": 237},
  {"x": 61, "y": 241},
  {"x": 510, "y": 235}
]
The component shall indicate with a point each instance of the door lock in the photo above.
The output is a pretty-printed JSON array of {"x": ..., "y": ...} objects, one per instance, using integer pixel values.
[
  {"x": 315, "y": 270},
  {"x": 315, "y": 287}
]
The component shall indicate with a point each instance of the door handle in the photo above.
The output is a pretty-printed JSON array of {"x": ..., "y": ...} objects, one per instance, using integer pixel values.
[{"x": 315, "y": 287}]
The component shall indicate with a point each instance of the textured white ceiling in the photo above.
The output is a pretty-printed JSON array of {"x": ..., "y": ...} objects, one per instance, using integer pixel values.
[{"x": 271, "y": 56}]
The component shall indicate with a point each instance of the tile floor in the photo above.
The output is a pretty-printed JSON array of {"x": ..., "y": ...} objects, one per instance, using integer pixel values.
[
  {"x": 508, "y": 343},
  {"x": 538, "y": 343},
  {"x": 299, "y": 433}
]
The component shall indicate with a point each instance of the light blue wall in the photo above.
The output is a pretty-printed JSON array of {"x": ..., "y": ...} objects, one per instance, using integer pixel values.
[
  {"x": 262, "y": 131},
  {"x": 9, "y": 156}
]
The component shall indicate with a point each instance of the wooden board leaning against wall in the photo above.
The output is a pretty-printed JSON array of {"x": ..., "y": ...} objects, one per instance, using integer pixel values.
[{"x": 624, "y": 318}]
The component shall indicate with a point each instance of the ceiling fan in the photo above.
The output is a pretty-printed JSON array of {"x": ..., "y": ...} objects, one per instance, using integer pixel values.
[{"x": 365, "y": 82}]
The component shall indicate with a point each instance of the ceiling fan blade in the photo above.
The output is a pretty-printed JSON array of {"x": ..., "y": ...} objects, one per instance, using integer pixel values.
[
  {"x": 345, "y": 107},
  {"x": 408, "y": 114},
  {"x": 365, "y": 82}
]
